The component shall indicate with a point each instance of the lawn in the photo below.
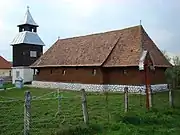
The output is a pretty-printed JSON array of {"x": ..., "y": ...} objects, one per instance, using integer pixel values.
[
  {"x": 105, "y": 117},
  {"x": 7, "y": 85}
]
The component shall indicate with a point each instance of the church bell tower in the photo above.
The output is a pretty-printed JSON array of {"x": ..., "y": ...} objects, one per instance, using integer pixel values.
[{"x": 27, "y": 47}]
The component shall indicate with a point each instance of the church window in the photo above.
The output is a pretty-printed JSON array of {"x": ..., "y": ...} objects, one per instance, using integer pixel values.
[
  {"x": 37, "y": 71},
  {"x": 17, "y": 74},
  {"x": 9, "y": 73},
  {"x": 33, "y": 54},
  {"x": 94, "y": 72},
  {"x": 125, "y": 72},
  {"x": 64, "y": 72}
]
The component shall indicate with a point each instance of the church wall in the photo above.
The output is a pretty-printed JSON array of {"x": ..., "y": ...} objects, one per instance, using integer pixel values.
[
  {"x": 5, "y": 72},
  {"x": 25, "y": 73},
  {"x": 71, "y": 74},
  {"x": 114, "y": 76}
]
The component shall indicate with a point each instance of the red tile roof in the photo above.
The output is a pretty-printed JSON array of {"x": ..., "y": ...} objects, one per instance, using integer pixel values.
[
  {"x": 115, "y": 48},
  {"x": 4, "y": 64}
]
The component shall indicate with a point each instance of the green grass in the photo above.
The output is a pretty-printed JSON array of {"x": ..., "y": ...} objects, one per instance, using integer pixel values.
[
  {"x": 106, "y": 118},
  {"x": 8, "y": 85}
]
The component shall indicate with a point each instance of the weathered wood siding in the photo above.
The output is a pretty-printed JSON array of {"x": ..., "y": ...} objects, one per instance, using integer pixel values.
[
  {"x": 74, "y": 75},
  {"x": 130, "y": 75},
  {"x": 21, "y": 54}
]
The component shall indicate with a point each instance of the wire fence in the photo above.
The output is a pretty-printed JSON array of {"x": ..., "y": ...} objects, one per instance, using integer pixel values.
[
  {"x": 55, "y": 110},
  {"x": 11, "y": 116}
]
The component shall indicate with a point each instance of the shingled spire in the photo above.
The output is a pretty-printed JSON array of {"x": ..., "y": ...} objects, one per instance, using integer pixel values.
[
  {"x": 28, "y": 19},
  {"x": 27, "y": 32}
]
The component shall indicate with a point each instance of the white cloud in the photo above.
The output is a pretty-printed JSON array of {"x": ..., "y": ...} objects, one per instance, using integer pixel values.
[
  {"x": 1, "y": 25},
  {"x": 78, "y": 8},
  {"x": 7, "y": 7},
  {"x": 66, "y": 18},
  {"x": 82, "y": 7},
  {"x": 162, "y": 37},
  {"x": 172, "y": 55}
]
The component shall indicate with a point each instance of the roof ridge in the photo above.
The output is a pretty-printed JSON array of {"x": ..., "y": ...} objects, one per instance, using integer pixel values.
[
  {"x": 141, "y": 37},
  {"x": 110, "y": 51},
  {"x": 3, "y": 58},
  {"x": 5, "y": 63},
  {"x": 99, "y": 33},
  {"x": 154, "y": 47}
]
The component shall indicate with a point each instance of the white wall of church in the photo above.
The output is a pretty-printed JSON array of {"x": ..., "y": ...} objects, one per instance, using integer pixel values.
[
  {"x": 5, "y": 72},
  {"x": 16, "y": 72},
  {"x": 25, "y": 73},
  {"x": 28, "y": 74}
]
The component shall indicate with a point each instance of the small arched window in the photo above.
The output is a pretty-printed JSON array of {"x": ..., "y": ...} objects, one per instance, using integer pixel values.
[
  {"x": 37, "y": 71},
  {"x": 63, "y": 72},
  {"x": 94, "y": 72},
  {"x": 125, "y": 72}
]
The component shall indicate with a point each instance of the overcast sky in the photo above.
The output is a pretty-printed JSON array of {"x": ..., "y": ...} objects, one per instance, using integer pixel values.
[{"x": 67, "y": 18}]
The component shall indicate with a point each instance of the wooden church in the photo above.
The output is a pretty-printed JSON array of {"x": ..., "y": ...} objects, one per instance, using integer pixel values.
[
  {"x": 27, "y": 48},
  {"x": 109, "y": 60}
]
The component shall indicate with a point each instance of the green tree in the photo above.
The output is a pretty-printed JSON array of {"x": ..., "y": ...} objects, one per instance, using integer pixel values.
[
  {"x": 176, "y": 62},
  {"x": 173, "y": 73},
  {"x": 166, "y": 55}
]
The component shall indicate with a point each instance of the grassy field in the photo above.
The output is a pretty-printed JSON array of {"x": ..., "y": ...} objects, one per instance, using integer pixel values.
[
  {"x": 8, "y": 85},
  {"x": 106, "y": 118}
]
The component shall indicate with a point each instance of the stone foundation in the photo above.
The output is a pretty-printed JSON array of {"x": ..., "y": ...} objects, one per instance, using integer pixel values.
[{"x": 98, "y": 87}]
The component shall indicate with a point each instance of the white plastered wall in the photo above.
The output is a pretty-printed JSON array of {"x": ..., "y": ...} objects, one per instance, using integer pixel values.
[
  {"x": 25, "y": 73},
  {"x": 5, "y": 72}
]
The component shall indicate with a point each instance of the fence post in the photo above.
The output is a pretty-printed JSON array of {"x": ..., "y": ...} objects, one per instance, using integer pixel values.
[
  {"x": 171, "y": 103},
  {"x": 150, "y": 96},
  {"x": 84, "y": 107},
  {"x": 27, "y": 113},
  {"x": 126, "y": 99}
]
